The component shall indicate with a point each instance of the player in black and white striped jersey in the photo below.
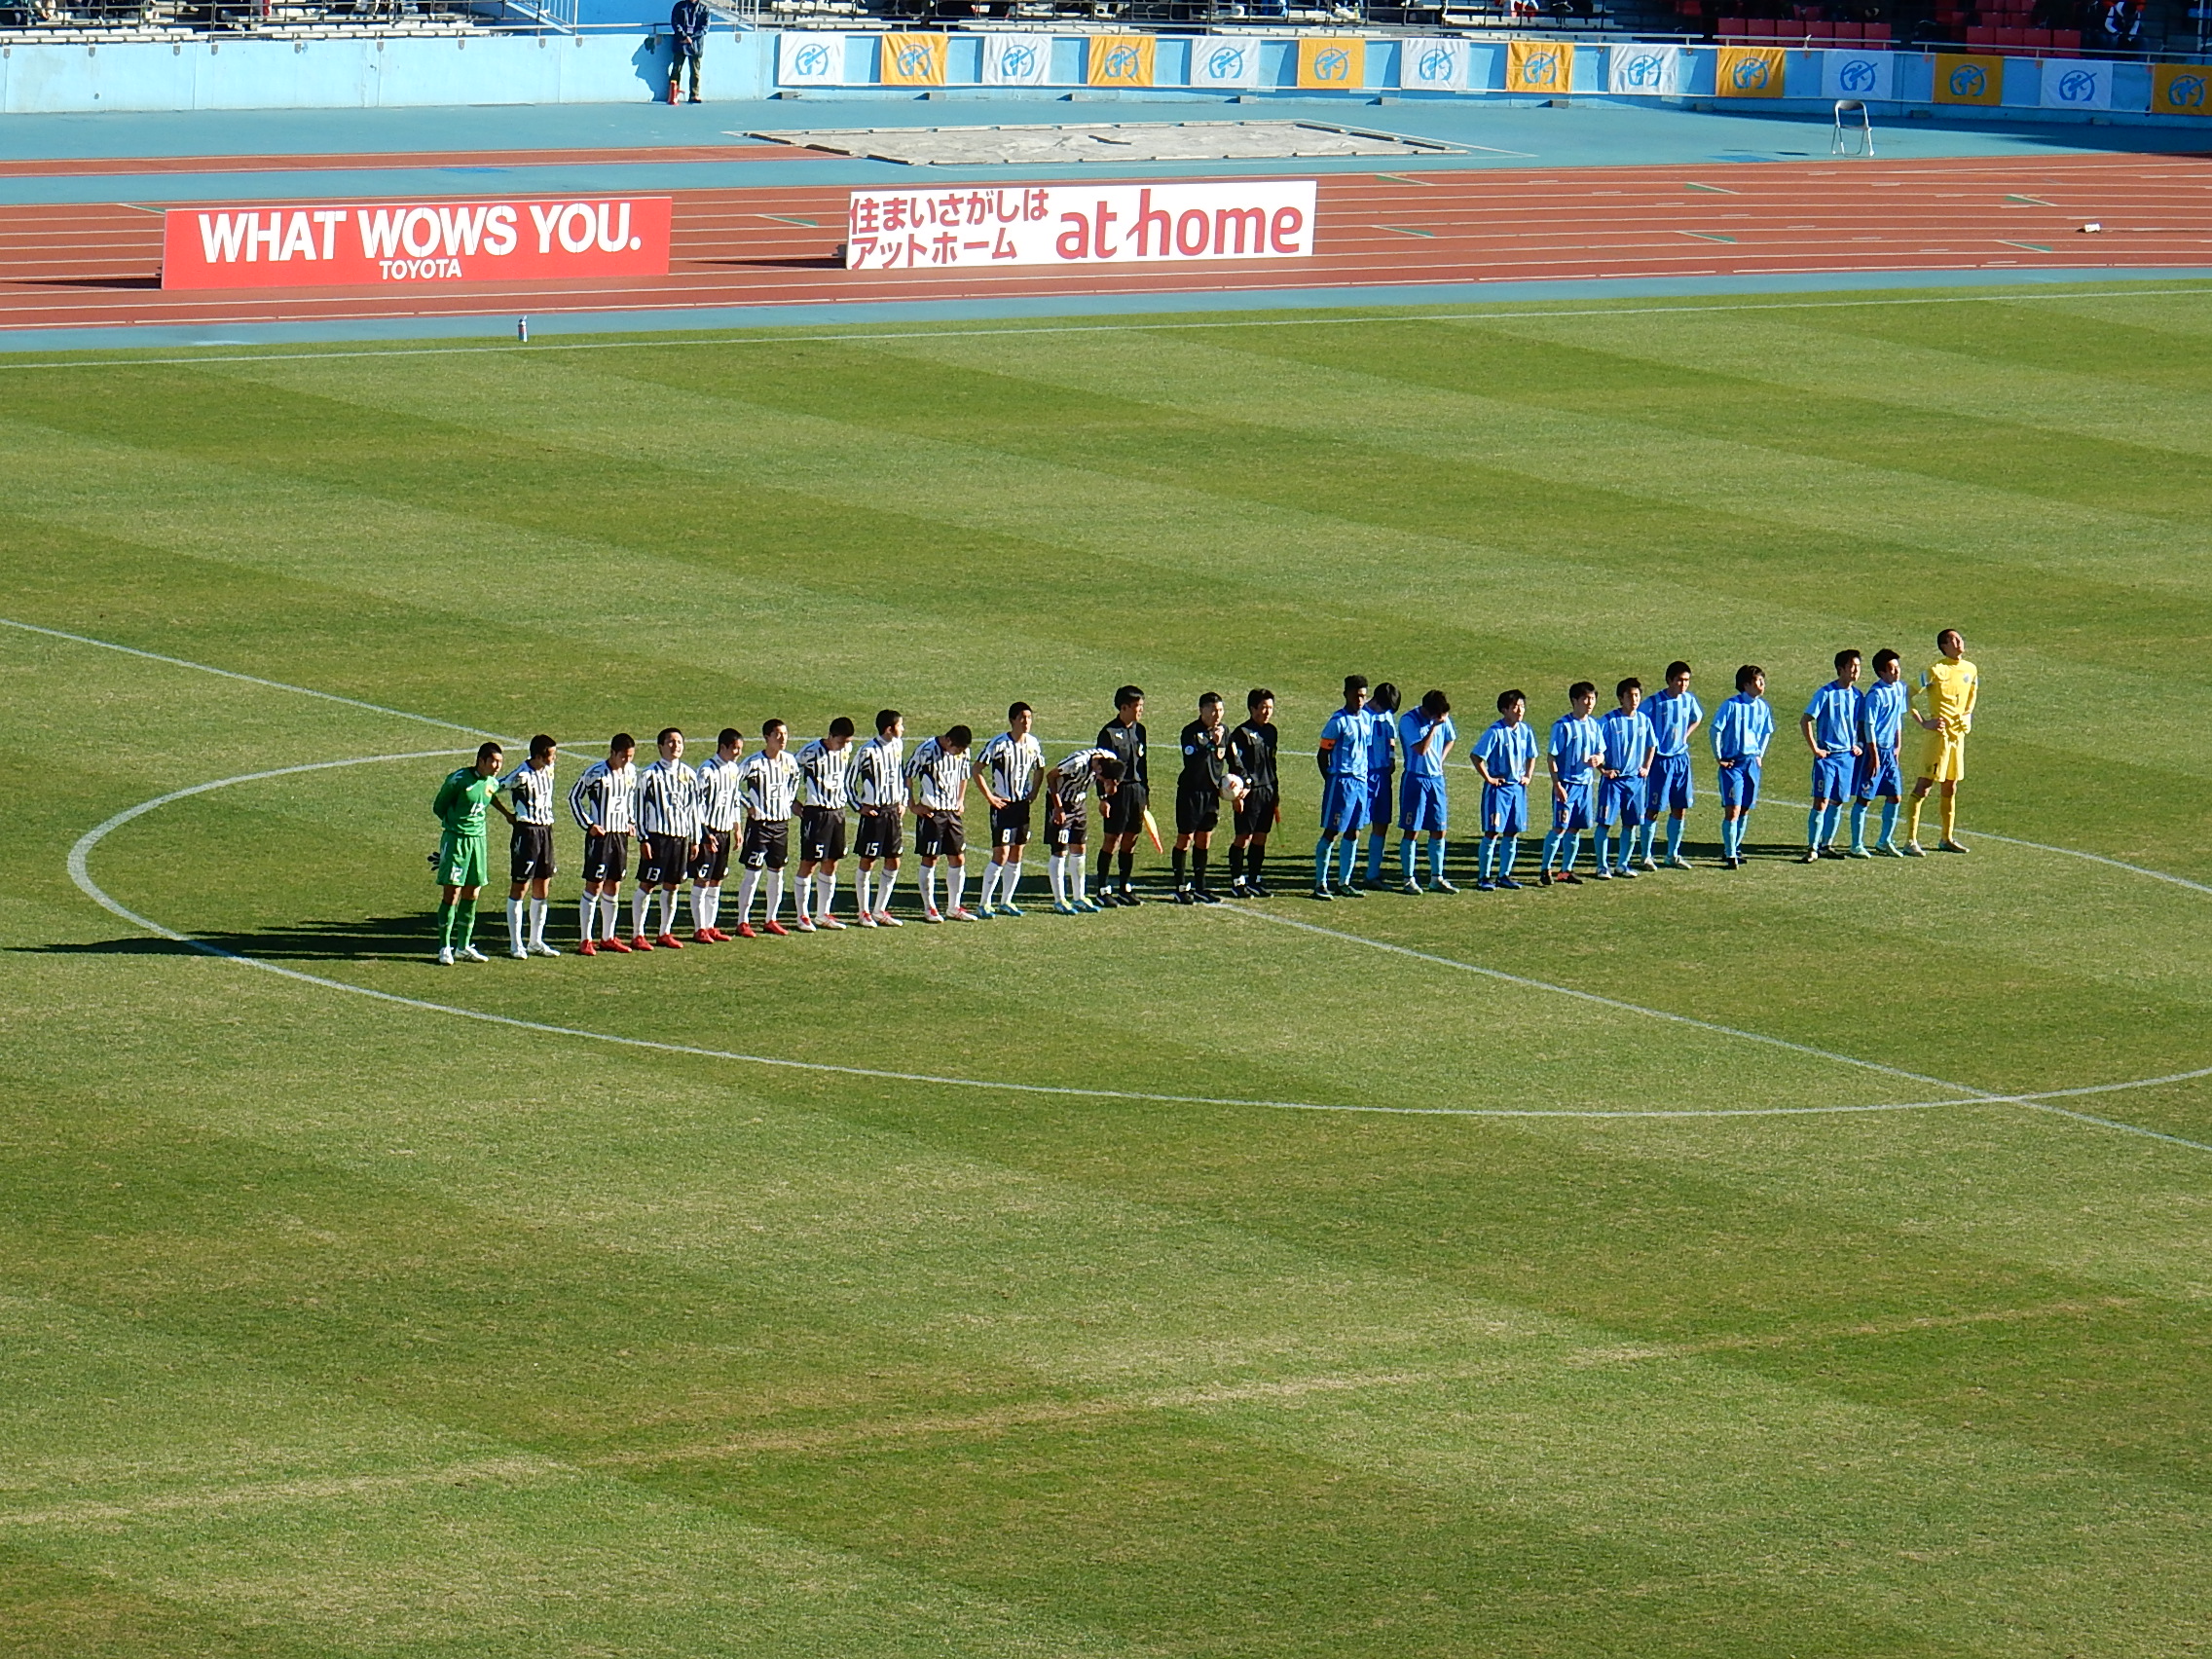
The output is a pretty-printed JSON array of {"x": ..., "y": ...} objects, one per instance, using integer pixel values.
[
  {"x": 530, "y": 847},
  {"x": 822, "y": 767},
  {"x": 601, "y": 804},
  {"x": 767, "y": 791},
  {"x": 668, "y": 832},
  {"x": 939, "y": 772},
  {"x": 878, "y": 783},
  {"x": 1009, "y": 771},
  {"x": 718, "y": 830},
  {"x": 1067, "y": 793}
]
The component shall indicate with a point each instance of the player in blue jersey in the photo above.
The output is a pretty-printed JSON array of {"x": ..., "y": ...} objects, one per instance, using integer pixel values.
[
  {"x": 1881, "y": 730},
  {"x": 1505, "y": 754},
  {"x": 1382, "y": 768},
  {"x": 1628, "y": 740},
  {"x": 1742, "y": 729},
  {"x": 1575, "y": 750},
  {"x": 1831, "y": 725},
  {"x": 1425, "y": 736},
  {"x": 1675, "y": 715},
  {"x": 1342, "y": 759}
]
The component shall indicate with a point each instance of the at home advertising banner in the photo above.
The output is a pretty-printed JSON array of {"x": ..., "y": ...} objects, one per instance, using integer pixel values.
[
  {"x": 414, "y": 243},
  {"x": 1078, "y": 224},
  {"x": 1644, "y": 71},
  {"x": 1862, "y": 75}
]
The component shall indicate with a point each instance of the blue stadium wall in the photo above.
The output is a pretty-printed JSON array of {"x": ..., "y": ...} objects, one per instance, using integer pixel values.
[{"x": 625, "y": 64}]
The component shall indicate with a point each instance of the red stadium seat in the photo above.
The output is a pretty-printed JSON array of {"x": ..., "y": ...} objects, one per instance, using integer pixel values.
[
  {"x": 1847, "y": 33},
  {"x": 1820, "y": 31},
  {"x": 2066, "y": 40},
  {"x": 1877, "y": 32},
  {"x": 1979, "y": 35},
  {"x": 2035, "y": 37},
  {"x": 2011, "y": 37}
]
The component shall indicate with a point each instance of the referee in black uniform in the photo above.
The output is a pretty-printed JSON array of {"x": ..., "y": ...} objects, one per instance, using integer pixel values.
[
  {"x": 1252, "y": 757},
  {"x": 1123, "y": 737}
]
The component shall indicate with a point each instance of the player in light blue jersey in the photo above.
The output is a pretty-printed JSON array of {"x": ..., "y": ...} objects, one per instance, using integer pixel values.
[
  {"x": 1741, "y": 732},
  {"x": 1381, "y": 767},
  {"x": 1675, "y": 715},
  {"x": 1425, "y": 736},
  {"x": 1628, "y": 741},
  {"x": 1577, "y": 749},
  {"x": 1342, "y": 759},
  {"x": 1831, "y": 725},
  {"x": 1505, "y": 754},
  {"x": 1881, "y": 730}
]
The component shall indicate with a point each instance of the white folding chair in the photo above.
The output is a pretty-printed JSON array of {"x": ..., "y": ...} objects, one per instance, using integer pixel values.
[{"x": 1852, "y": 140}]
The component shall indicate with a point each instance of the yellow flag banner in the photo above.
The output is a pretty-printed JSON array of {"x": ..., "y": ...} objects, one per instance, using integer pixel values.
[
  {"x": 1749, "y": 72},
  {"x": 1962, "y": 79},
  {"x": 1331, "y": 64},
  {"x": 911, "y": 60},
  {"x": 2179, "y": 89},
  {"x": 1538, "y": 67},
  {"x": 1118, "y": 60}
]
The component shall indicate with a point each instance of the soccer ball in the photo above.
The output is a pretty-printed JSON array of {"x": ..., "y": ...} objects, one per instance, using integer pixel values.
[{"x": 1232, "y": 786}]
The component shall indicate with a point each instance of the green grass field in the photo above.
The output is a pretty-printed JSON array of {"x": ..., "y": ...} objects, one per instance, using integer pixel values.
[{"x": 337, "y": 1326}]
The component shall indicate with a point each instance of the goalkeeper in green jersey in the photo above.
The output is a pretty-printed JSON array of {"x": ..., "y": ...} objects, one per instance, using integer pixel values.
[{"x": 465, "y": 855}]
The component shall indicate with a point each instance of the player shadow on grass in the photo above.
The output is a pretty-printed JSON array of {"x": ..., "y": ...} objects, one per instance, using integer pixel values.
[{"x": 367, "y": 938}]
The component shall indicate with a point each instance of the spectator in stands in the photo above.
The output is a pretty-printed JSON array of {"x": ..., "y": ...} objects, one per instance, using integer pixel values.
[{"x": 690, "y": 20}]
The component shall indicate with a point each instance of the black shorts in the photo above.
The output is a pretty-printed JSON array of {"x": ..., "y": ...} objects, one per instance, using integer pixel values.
[
  {"x": 1256, "y": 812},
  {"x": 882, "y": 833},
  {"x": 606, "y": 856},
  {"x": 1009, "y": 825},
  {"x": 711, "y": 861},
  {"x": 935, "y": 835},
  {"x": 1123, "y": 810},
  {"x": 767, "y": 843},
  {"x": 663, "y": 858},
  {"x": 1069, "y": 833},
  {"x": 1197, "y": 810},
  {"x": 821, "y": 834},
  {"x": 529, "y": 852}
]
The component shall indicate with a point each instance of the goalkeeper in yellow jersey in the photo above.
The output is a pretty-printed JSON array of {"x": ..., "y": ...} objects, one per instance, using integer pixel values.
[{"x": 1950, "y": 687}]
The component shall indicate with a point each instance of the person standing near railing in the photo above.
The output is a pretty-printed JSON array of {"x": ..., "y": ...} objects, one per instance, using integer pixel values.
[{"x": 688, "y": 20}]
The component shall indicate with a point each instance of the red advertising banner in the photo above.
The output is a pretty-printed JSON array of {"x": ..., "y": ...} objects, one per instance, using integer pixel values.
[{"x": 414, "y": 243}]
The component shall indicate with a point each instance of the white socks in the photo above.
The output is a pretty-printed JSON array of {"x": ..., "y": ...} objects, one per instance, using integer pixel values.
[
  {"x": 883, "y": 886},
  {"x": 587, "y": 917},
  {"x": 670, "y": 897},
  {"x": 514, "y": 926},
  {"x": 805, "y": 903},
  {"x": 1009, "y": 877},
  {"x": 640, "y": 902},
  {"x": 746, "y": 888},
  {"x": 538, "y": 909},
  {"x": 824, "y": 890},
  {"x": 703, "y": 907},
  {"x": 611, "y": 915},
  {"x": 991, "y": 883},
  {"x": 1056, "y": 873},
  {"x": 775, "y": 893},
  {"x": 928, "y": 887},
  {"x": 956, "y": 884},
  {"x": 861, "y": 881},
  {"x": 1079, "y": 879}
]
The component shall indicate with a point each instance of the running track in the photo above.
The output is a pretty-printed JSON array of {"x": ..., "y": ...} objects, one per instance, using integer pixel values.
[{"x": 78, "y": 265}]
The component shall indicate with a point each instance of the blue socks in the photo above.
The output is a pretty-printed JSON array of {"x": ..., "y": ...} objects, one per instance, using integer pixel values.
[
  {"x": 1377, "y": 841},
  {"x": 1321, "y": 862},
  {"x": 1813, "y": 828},
  {"x": 1435, "y": 858},
  {"x": 1888, "y": 821},
  {"x": 1406, "y": 859},
  {"x": 1674, "y": 836},
  {"x": 1858, "y": 822},
  {"x": 1829, "y": 820},
  {"x": 1350, "y": 857}
]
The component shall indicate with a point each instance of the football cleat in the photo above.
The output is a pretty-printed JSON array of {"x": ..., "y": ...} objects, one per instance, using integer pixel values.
[
  {"x": 669, "y": 942},
  {"x": 1413, "y": 887},
  {"x": 615, "y": 946},
  {"x": 1812, "y": 856},
  {"x": 1205, "y": 894},
  {"x": 866, "y": 918},
  {"x": 745, "y": 931},
  {"x": 1506, "y": 884},
  {"x": 1647, "y": 862},
  {"x": 931, "y": 915},
  {"x": 1323, "y": 893},
  {"x": 1890, "y": 847},
  {"x": 1601, "y": 873},
  {"x": 1006, "y": 910},
  {"x": 827, "y": 920},
  {"x": 444, "y": 952},
  {"x": 640, "y": 943},
  {"x": 1858, "y": 852},
  {"x": 1912, "y": 850},
  {"x": 985, "y": 913},
  {"x": 1949, "y": 847},
  {"x": 1183, "y": 895},
  {"x": 1440, "y": 885},
  {"x": 542, "y": 948},
  {"x": 1567, "y": 878},
  {"x": 1486, "y": 886},
  {"x": 1259, "y": 890},
  {"x": 469, "y": 954},
  {"x": 1624, "y": 872},
  {"x": 587, "y": 949},
  {"x": 1344, "y": 891},
  {"x": 1543, "y": 878},
  {"x": 804, "y": 922},
  {"x": 1062, "y": 908},
  {"x": 520, "y": 955},
  {"x": 1676, "y": 861},
  {"x": 776, "y": 928},
  {"x": 961, "y": 913},
  {"x": 885, "y": 919}
]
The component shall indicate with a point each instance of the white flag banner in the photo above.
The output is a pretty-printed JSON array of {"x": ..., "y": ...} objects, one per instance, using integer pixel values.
[
  {"x": 804, "y": 59},
  {"x": 1016, "y": 59},
  {"x": 2076, "y": 83},
  {"x": 1432, "y": 65},
  {"x": 1644, "y": 71},
  {"x": 1224, "y": 62},
  {"x": 1857, "y": 74}
]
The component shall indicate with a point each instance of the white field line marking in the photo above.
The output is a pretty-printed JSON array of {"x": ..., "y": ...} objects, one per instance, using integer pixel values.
[
  {"x": 249, "y": 679},
  {"x": 82, "y": 877},
  {"x": 80, "y": 874},
  {"x": 2000, "y": 295}
]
